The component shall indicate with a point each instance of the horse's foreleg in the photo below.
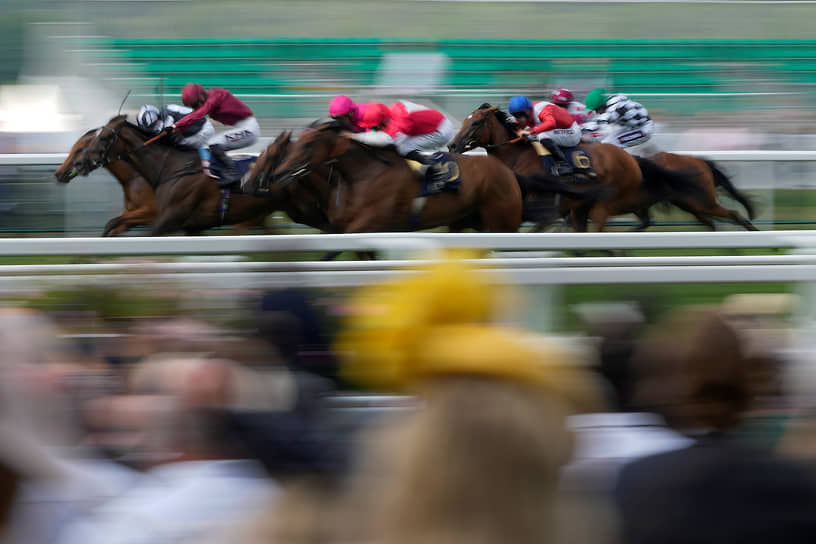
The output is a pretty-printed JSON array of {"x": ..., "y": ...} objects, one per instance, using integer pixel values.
[
  {"x": 599, "y": 214},
  {"x": 111, "y": 225}
]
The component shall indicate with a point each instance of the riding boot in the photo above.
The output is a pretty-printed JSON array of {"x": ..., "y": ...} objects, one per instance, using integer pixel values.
[
  {"x": 418, "y": 157},
  {"x": 229, "y": 174},
  {"x": 562, "y": 166}
]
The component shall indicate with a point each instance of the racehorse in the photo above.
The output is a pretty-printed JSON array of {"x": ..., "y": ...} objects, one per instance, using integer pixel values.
[
  {"x": 710, "y": 177},
  {"x": 681, "y": 184},
  {"x": 140, "y": 200},
  {"x": 187, "y": 199},
  {"x": 376, "y": 190}
]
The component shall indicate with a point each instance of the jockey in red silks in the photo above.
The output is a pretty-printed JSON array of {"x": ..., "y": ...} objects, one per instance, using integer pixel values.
[
  {"x": 565, "y": 99},
  {"x": 373, "y": 122},
  {"x": 549, "y": 124},
  {"x": 416, "y": 128},
  {"x": 343, "y": 109},
  {"x": 225, "y": 108}
]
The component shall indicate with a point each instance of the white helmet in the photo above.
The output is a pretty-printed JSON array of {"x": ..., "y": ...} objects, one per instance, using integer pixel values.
[{"x": 149, "y": 118}]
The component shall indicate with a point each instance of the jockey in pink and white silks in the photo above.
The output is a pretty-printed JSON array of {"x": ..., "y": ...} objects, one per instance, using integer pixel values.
[
  {"x": 618, "y": 120},
  {"x": 344, "y": 110}
]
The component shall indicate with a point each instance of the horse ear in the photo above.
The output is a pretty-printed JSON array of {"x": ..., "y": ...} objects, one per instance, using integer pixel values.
[{"x": 484, "y": 106}]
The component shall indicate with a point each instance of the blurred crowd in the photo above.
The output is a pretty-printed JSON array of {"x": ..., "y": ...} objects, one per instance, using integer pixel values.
[{"x": 424, "y": 417}]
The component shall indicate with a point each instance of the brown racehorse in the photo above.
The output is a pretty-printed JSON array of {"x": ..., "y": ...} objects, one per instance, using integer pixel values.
[
  {"x": 494, "y": 130},
  {"x": 705, "y": 205},
  {"x": 376, "y": 189},
  {"x": 140, "y": 200},
  {"x": 187, "y": 199}
]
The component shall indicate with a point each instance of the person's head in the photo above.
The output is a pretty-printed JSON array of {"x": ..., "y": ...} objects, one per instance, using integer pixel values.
[
  {"x": 149, "y": 119},
  {"x": 562, "y": 97},
  {"x": 596, "y": 100},
  {"x": 521, "y": 108},
  {"x": 341, "y": 108},
  {"x": 376, "y": 116},
  {"x": 692, "y": 368},
  {"x": 193, "y": 95}
]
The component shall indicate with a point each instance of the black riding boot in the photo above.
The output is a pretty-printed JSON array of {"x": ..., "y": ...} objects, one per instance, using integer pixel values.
[
  {"x": 229, "y": 174},
  {"x": 418, "y": 157},
  {"x": 562, "y": 166}
]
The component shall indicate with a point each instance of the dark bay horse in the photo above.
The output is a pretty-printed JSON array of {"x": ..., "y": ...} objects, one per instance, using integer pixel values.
[
  {"x": 681, "y": 185},
  {"x": 187, "y": 199},
  {"x": 376, "y": 188},
  {"x": 140, "y": 200},
  {"x": 705, "y": 205}
]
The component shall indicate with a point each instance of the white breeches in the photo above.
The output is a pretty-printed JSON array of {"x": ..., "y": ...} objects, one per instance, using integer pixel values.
[
  {"x": 200, "y": 138},
  {"x": 244, "y": 133},
  {"x": 433, "y": 141},
  {"x": 564, "y": 137}
]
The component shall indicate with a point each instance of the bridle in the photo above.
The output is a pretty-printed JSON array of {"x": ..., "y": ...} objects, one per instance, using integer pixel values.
[
  {"x": 127, "y": 155},
  {"x": 470, "y": 140}
]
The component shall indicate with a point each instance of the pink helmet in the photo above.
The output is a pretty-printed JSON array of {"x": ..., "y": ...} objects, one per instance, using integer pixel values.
[
  {"x": 190, "y": 94},
  {"x": 341, "y": 105},
  {"x": 562, "y": 97},
  {"x": 376, "y": 114}
]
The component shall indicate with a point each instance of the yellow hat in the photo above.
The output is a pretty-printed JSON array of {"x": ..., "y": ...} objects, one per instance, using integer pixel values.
[{"x": 436, "y": 323}]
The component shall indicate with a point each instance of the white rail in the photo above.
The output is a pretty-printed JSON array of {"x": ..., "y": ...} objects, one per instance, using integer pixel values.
[{"x": 400, "y": 242}]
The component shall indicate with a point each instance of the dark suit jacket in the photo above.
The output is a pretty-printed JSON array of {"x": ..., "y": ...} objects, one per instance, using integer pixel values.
[{"x": 718, "y": 491}]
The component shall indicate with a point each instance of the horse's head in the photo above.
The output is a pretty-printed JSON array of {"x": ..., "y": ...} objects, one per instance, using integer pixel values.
[
  {"x": 262, "y": 171},
  {"x": 76, "y": 164},
  {"x": 106, "y": 146},
  {"x": 315, "y": 146},
  {"x": 487, "y": 125}
]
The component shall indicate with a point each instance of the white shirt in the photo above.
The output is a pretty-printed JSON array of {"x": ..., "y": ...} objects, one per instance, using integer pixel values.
[{"x": 178, "y": 502}]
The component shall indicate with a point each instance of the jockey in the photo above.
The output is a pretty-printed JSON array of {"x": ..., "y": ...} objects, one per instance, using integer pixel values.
[
  {"x": 565, "y": 99},
  {"x": 373, "y": 121},
  {"x": 343, "y": 109},
  {"x": 550, "y": 125},
  {"x": 416, "y": 128},
  {"x": 380, "y": 122},
  {"x": 618, "y": 120},
  {"x": 153, "y": 121},
  {"x": 225, "y": 108}
]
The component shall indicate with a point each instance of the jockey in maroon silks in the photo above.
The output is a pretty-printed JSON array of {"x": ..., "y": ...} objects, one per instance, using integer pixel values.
[{"x": 224, "y": 107}]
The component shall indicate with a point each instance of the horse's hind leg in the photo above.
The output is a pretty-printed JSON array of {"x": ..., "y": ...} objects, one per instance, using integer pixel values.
[
  {"x": 645, "y": 220},
  {"x": 718, "y": 211},
  {"x": 111, "y": 225}
]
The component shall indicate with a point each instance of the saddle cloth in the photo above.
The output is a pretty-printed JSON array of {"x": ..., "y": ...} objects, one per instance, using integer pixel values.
[{"x": 243, "y": 164}]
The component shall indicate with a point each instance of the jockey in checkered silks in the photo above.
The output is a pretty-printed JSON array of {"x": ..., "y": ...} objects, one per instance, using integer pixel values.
[{"x": 618, "y": 120}]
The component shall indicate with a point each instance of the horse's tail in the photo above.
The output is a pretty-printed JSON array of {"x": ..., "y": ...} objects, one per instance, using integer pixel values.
[
  {"x": 662, "y": 183},
  {"x": 543, "y": 183},
  {"x": 723, "y": 181}
]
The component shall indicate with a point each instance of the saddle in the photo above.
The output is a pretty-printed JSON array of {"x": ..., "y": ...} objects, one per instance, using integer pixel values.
[
  {"x": 441, "y": 175},
  {"x": 581, "y": 163},
  {"x": 243, "y": 163}
]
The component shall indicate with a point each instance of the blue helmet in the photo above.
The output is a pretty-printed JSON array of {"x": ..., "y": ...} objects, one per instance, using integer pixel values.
[{"x": 519, "y": 104}]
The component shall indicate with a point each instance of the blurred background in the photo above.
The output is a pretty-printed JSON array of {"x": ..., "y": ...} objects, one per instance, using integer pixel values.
[{"x": 714, "y": 75}]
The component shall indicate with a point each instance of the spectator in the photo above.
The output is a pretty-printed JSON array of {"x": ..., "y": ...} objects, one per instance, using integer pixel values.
[{"x": 695, "y": 372}]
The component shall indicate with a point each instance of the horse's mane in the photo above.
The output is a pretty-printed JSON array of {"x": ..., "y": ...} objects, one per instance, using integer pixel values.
[{"x": 508, "y": 122}]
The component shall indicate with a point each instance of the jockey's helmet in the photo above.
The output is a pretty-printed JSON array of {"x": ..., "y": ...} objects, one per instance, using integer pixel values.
[
  {"x": 595, "y": 99},
  {"x": 149, "y": 118},
  {"x": 341, "y": 105},
  {"x": 190, "y": 94},
  {"x": 375, "y": 115},
  {"x": 562, "y": 97},
  {"x": 519, "y": 104}
]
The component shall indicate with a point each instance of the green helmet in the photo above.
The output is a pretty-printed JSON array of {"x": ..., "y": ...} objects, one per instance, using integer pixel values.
[{"x": 595, "y": 99}]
